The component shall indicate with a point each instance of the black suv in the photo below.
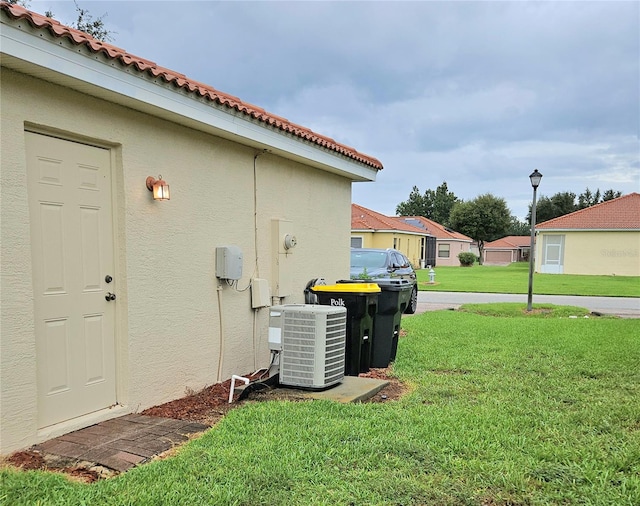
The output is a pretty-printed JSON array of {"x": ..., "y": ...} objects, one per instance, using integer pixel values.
[{"x": 369, "y": 263}]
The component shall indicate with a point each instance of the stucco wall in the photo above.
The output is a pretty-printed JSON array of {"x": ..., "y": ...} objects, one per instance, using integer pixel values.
[
  {"x": 406, "y": 243},
  {"x": 599, "y": 253},
  {"x": 168, "y": 316},
  {"x": 455, "y": 247}
]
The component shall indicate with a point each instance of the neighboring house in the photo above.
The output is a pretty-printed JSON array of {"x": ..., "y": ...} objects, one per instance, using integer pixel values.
[
  {"x": 513, "y": 248},
  {"x": 370, "y": 229},
  {"x": 449, "y": 243},
  {"x": 602, "y": 239},
  {"x": 110, "y": 299}
]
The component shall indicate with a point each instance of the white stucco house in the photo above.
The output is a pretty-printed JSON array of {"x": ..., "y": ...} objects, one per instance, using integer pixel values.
[{"x": 110, "y": 300}]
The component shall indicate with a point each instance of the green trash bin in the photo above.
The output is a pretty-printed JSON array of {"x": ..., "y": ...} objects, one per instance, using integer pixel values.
[{"x": 361, "y": 301}]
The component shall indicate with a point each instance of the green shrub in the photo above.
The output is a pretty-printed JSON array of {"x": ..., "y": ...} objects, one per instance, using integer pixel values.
[
  {"x": 467, "y": 259},
  {"x": 363, "y": 275}
]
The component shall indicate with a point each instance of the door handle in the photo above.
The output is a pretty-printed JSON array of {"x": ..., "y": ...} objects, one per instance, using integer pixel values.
[{"x": 110, "y": 296}]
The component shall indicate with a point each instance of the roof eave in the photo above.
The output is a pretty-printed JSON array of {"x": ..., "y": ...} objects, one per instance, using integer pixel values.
[
  {"x": 390, "y": 231},
  {"x": 94, "y": 74},
  {"x": 587, "y": 229}
]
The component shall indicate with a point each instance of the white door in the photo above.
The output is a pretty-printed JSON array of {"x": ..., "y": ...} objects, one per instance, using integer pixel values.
[
  {"x": 69, "y": 188},
  {"x": 552, "y": 254}
]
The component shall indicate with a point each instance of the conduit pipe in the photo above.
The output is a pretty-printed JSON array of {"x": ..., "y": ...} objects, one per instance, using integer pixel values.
[
  {"x": 221, "y": 326},
  {"x": 233, "y": 385}
]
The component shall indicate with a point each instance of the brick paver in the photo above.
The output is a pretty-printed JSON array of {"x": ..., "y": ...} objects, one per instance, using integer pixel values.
[{"x": 121, "y": 443}]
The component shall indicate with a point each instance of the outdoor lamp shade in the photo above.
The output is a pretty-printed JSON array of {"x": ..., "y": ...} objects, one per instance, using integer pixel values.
[
  {"x": 159, "y": 187},
  {"x": 535, "y": 178}
]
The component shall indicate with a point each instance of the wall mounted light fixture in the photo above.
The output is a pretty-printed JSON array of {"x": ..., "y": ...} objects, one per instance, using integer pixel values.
[{"x": 159, "y": 187}]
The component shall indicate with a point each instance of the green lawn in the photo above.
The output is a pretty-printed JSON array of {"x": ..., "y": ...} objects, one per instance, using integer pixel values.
[
  {"x": 514, "y": 278},
  {"x": 518, "y": 409}
]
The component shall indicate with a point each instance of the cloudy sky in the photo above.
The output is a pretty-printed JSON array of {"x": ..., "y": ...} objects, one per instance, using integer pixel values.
[{"x": 477, "y": 94}]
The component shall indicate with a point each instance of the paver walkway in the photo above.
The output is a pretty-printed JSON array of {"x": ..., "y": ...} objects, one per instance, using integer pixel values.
[{"x": 121, "y": 443}]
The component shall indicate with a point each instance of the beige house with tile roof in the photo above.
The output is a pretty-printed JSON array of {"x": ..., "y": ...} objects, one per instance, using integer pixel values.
[
  {"x": 513, "y": 248},
  {"x": 449, "y": 243},
  {"x": 603, "y": 239},
  {"x": 370, "y": 229},
  {"x": 111, "y": 301}
]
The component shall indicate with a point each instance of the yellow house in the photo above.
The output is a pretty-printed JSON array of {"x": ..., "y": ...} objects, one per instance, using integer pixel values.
[
  {"x": 112, "y": 301},
  {"x": 370, "y": 229},
  {"x": 448, "y": 243},
  {"x": 603, "y": 239}
]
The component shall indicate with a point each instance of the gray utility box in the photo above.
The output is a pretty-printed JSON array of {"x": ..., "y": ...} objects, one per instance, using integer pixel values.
[{"x": 228, "y": 262}]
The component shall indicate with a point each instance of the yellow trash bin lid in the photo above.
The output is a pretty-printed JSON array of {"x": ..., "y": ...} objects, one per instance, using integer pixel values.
[{"x": 348, "y": 288}]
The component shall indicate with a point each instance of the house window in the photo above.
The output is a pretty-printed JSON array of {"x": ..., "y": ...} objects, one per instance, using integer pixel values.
[
  {"x": 396, "y": 243},
  {"x": 444, "y": 250},
  {"x": 356, "y": 242}
]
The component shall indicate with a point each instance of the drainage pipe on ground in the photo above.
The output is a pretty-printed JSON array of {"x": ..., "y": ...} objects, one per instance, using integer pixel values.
[{"x": 233, "y": 385}]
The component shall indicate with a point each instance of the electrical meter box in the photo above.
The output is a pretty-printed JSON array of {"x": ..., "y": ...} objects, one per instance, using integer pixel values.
[{"x": 228, "y": 262}]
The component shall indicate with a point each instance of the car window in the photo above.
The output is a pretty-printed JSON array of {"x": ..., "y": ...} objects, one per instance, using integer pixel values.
[
  {"x": 368, "y": 259},
  {"x": 396, "y": 260}
]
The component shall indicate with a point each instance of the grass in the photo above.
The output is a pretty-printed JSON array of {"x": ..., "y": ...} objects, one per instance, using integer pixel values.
[
  {"x": 514, "y": 408},
  {"x": 514, "y": 278}
]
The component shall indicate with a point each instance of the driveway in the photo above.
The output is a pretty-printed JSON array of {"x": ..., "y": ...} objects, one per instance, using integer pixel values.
[{"x": 628, "y": 307}]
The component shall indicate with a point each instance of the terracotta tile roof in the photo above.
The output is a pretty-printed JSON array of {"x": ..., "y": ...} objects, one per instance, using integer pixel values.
[
  {"x": 434, "y": 228},
  {"x": 366, "y": 219},
  {"x": 510, "y": 242},
  {"x": 622, "y": 213},
  {"x": 178, "y": 80}
]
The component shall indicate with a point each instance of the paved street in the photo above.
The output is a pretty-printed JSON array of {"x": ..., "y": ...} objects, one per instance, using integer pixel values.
[{"x": 622, "y": 306}]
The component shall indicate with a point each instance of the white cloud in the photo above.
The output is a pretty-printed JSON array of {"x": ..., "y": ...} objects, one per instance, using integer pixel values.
[{"x": 477, "y": 94}]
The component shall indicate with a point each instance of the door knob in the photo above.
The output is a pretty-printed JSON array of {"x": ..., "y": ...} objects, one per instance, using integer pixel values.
[
  {"x": 110, "y": 296},
  {"x": 108, "y": 278}
]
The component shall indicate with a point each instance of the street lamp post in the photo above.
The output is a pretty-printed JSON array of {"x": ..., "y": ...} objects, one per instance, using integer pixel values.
[{"x": 535, "y": 178}]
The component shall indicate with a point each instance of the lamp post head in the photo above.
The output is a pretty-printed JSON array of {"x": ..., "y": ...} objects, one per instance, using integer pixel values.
[{"x": 535, "y": 178}]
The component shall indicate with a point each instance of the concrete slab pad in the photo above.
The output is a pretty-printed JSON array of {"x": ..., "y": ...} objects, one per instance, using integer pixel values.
[{"x": 352, "y": 389}]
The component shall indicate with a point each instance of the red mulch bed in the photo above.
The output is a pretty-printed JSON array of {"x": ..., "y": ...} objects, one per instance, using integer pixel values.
[{"x": 211, "y": 403}]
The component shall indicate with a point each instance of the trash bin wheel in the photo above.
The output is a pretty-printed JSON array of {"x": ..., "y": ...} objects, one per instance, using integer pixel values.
[{"x": 413, "y": 301}]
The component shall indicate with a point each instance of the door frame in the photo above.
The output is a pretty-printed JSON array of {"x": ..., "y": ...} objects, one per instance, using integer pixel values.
[{"x": 118, "y": 214}]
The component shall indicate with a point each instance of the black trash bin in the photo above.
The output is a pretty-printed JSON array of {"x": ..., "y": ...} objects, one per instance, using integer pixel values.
[
  {"x": 393, "y": 300},
  {"x": 361, "y": 301}
]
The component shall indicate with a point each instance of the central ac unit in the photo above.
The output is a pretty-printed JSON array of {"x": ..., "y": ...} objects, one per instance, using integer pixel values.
[{"x": 311, "y": 341}]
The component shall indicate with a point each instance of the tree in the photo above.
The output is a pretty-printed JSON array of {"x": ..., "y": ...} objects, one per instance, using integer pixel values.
[
  {"x": 435, "y": 205},
  {"x": 442, "y": 202},
  {"x": 517, "y": 227},
  {"x": 415, "y": 206},
  {"x": 588, "y": 199},
  {"x": 94, "y": 27},
  {"x": 610, "y": 195},
  {"x": 85, "y": 22},
  {"x": 563, "y": 203},
  {"x": 484, "y": 219},
  {"x": 548, "y": 208}
]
